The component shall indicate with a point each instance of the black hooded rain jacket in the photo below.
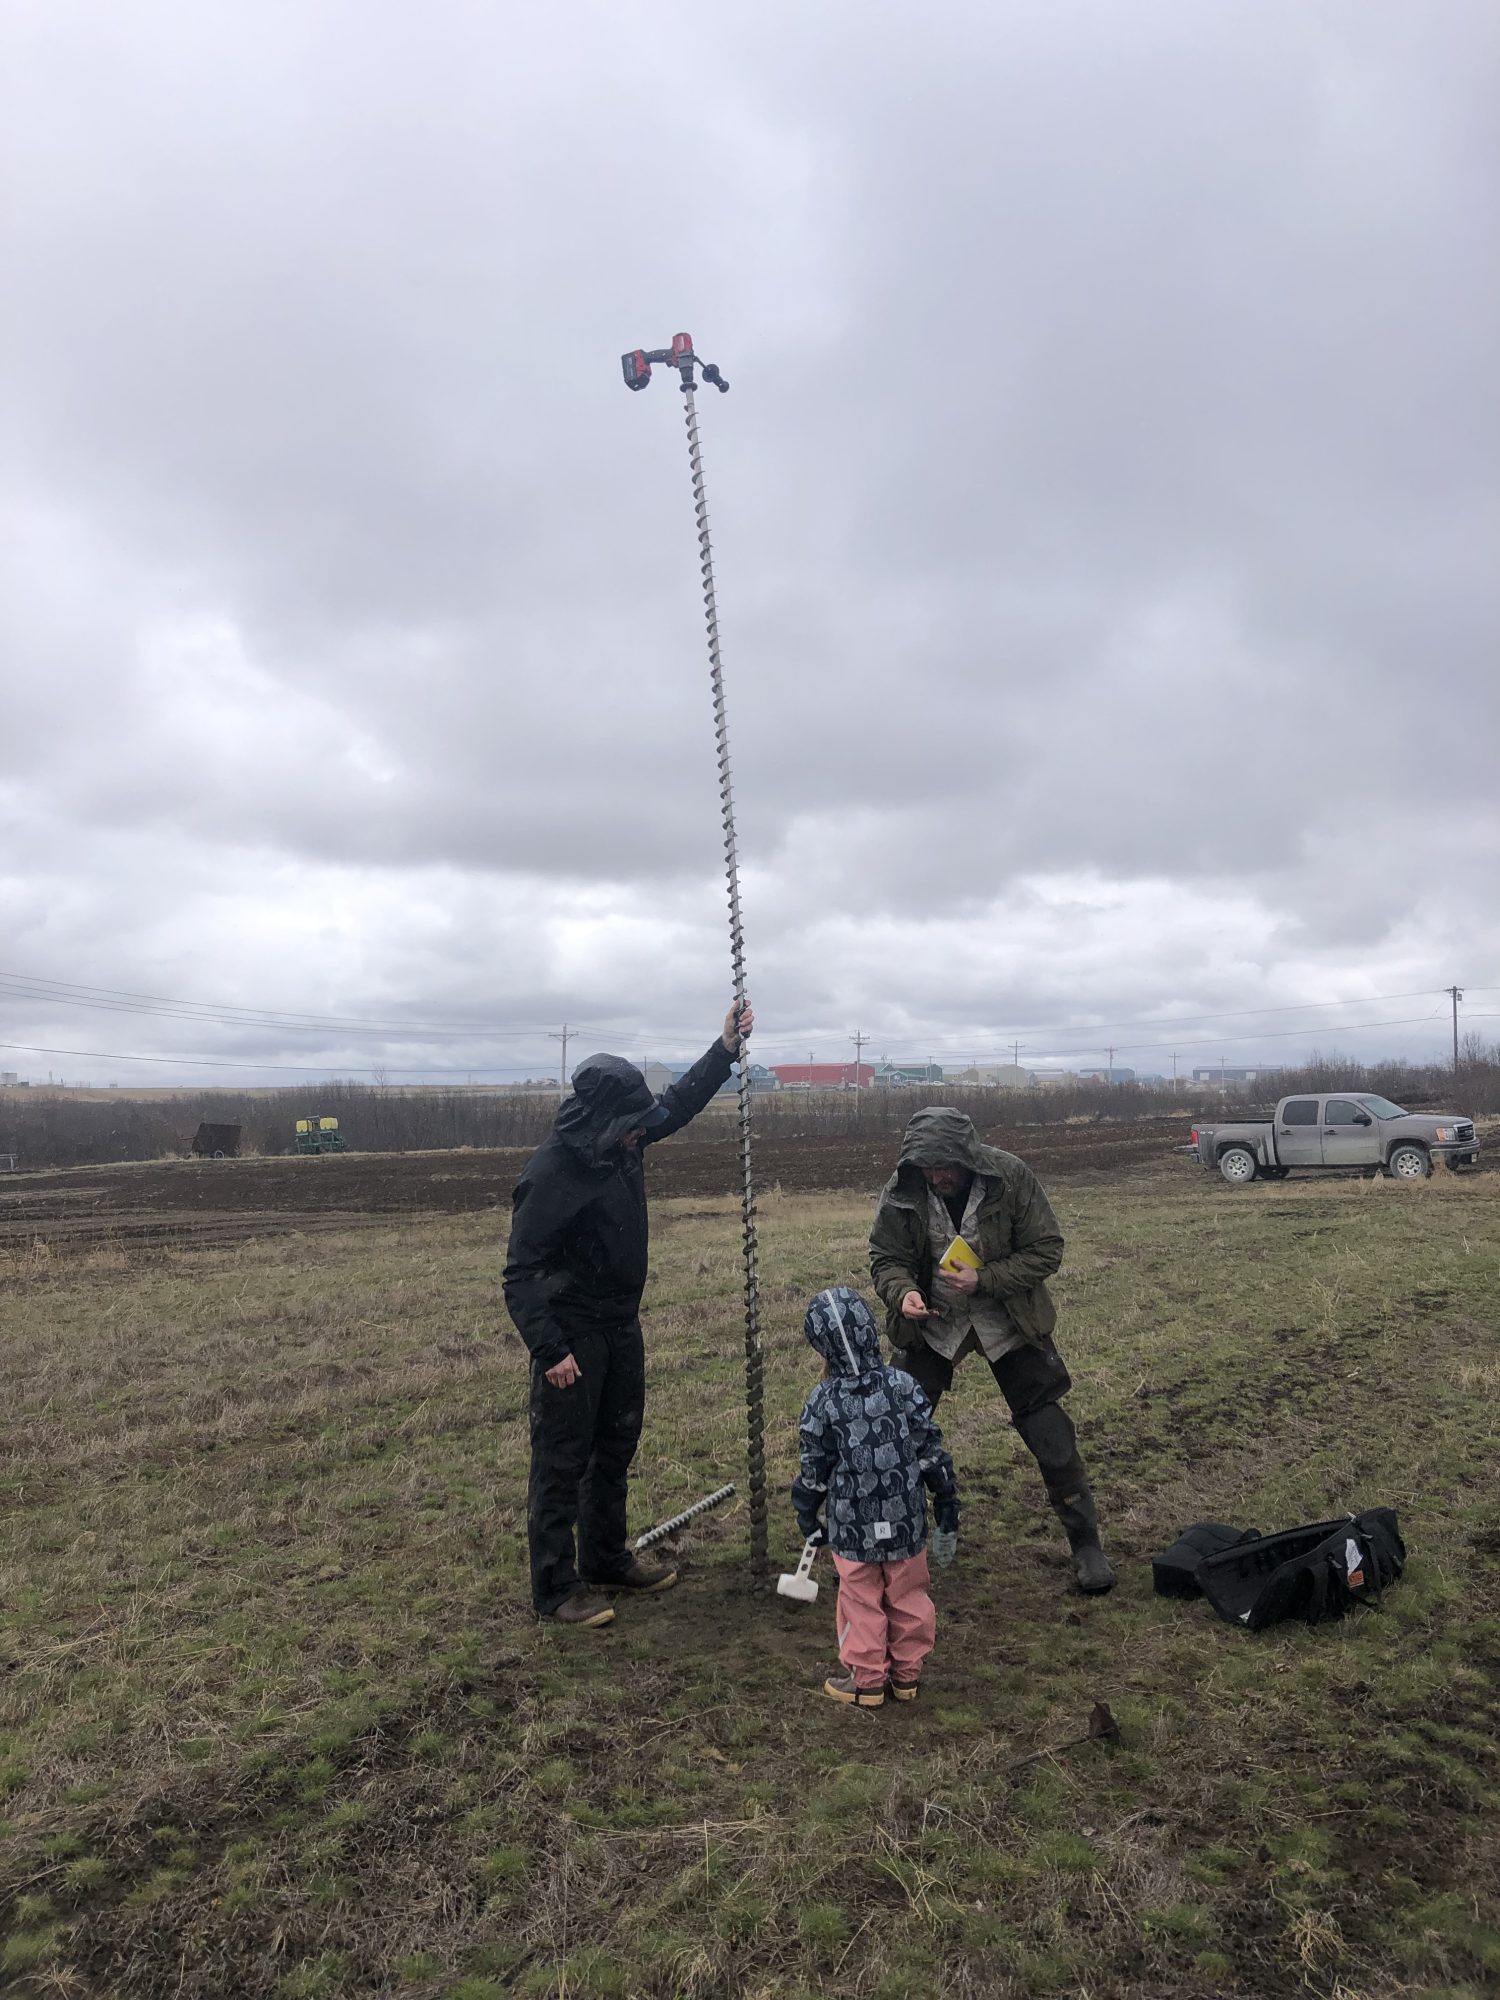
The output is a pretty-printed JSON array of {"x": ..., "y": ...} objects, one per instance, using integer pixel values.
[{"x": 579, "y": 1231}]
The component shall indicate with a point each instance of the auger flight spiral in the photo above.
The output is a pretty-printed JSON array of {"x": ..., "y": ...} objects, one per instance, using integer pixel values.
[{"x": 637, "y": 370}]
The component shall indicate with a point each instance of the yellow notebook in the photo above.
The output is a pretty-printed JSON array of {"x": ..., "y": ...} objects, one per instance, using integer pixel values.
[{"x": 957, "y": 1253}]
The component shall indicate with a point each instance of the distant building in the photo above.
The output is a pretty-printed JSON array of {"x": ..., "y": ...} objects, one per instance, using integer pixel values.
[
  {"x": 1108, "y": 1075},
  {"x": 901, "y": 1076},
  {"x": 824, "y": 1076},
  {"x": 996, "y": 1076},
  {"x": 661, "y": 1076},
  {"x": 8, "y": 1079},
  {"x": 1225, "y": 1073}
]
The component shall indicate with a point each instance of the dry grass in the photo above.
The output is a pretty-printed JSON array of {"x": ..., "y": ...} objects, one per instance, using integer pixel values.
[{"x": 277, "y": 1721}]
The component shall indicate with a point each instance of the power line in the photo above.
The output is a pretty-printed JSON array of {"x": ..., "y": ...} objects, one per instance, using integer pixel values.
[
  {"x": 329, "y": 1073},
  {"x": 264, "y": 1025},
  {"x": 1275, "y": 1035},
  {"x": 1244, "y": 1013},
  {"x": 231, "y": 1013},
  {"x": 226, "y": 1016},
  {"x": 469, "y": 1069},
  {"x": 1218, "y": 1041},
  {"x": 266, "y": 1021},
  {"x": 214, "y": 1006}
]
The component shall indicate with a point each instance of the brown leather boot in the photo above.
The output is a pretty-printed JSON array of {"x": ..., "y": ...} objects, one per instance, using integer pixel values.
[
  {"x": 582, "y": 1608},
  {"x": 640, "y": 1576}
]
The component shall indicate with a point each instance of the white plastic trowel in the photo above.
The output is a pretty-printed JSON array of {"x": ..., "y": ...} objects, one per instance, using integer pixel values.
[{"x": 798, "y": 1582}]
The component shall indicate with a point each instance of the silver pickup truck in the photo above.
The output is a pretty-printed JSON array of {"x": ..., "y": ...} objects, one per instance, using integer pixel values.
[{"x": 1349, "y": 1128}]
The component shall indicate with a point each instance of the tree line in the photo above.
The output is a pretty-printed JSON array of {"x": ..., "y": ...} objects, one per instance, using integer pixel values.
[{"x": 45, "y": 1128}]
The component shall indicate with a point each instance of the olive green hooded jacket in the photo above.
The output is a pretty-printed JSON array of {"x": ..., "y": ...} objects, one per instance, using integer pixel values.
[{"x": 1019, "y": 1240}]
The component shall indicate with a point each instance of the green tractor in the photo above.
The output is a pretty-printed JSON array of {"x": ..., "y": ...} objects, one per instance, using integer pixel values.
[{"x": 320, "y": 1135}]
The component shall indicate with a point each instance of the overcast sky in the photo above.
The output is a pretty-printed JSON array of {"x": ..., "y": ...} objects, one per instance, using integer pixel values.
[{"x": 1106, "y": 508}]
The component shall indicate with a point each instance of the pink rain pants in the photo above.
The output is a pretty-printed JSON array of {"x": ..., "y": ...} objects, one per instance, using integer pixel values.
[{"x": 886, "y": 1620}]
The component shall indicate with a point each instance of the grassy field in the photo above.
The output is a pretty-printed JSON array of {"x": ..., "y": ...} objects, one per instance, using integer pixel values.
[{"x": 275, "y": 1719}]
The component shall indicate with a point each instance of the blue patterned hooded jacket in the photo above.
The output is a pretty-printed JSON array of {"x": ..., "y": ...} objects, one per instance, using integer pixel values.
[{"x": 869, "y": 1443}]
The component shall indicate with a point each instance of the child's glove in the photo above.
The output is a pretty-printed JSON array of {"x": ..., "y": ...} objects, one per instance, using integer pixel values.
[
  {"x": 945, "y": 1512},
  {"x": 944, "y": 1546},
  {"x": 808, "y": 1502}
]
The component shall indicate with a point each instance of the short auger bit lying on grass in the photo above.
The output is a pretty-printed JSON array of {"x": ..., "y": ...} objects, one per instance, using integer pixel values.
[{"x": 664, "y": 1528}]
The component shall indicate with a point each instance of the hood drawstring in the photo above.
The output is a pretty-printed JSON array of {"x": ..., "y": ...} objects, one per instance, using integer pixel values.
[{"x": 843, "y": 1336}]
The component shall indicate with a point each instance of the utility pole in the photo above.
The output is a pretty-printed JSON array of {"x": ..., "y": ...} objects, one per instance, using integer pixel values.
[
  {"x": 565, "y": 1037},
  {"x": 1456, "y": 993},
  {"x": 1174, "y": 1072},
  {"x": 1109, "y": 1074},
  {"x": 859, "y": 1038},
  {"x": 1015, "y": 1054}
]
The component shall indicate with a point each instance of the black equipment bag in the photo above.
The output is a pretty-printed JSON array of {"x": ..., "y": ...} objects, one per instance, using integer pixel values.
[
  {"x": 1174, "y": 1573},
  {"x": 1321, "y": 1571}
]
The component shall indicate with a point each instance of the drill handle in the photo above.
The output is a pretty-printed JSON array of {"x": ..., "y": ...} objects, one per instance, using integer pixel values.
[{"x": 637, "y": 364}]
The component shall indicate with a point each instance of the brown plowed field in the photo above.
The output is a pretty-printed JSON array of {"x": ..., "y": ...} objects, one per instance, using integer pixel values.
[{"x": 171, "y": 1203}]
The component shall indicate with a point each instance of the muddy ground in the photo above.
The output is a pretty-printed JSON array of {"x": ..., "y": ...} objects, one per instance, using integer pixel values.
[
  {"x": 276, "y": 1724},
  {"x": 170, "y": 1202}
]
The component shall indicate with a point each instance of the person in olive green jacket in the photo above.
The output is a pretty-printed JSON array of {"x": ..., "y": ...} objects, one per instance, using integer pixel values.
[{"x": 961, "y": 1248}]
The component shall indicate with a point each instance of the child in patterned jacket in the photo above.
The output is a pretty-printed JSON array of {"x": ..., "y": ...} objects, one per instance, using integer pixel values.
[{"x": 869, "y": 1447}]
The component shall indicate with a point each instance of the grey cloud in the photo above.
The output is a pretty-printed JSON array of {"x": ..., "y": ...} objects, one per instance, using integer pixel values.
[{"x": 1106, "y": 494}]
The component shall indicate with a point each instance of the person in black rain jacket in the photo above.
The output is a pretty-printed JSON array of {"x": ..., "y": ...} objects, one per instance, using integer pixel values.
[{"x": 573, "y": 1282}]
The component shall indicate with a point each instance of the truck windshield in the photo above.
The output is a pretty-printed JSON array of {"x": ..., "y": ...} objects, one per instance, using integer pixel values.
[{"x": 1382, "y": 1107}]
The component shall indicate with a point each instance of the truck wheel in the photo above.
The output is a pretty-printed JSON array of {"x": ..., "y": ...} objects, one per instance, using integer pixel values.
[
  {"x": 1408, "y": 1163},
  {"x": 1238, "y": 1166}
]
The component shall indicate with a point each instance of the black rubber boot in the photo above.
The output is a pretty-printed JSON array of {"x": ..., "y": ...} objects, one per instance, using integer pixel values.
[{"x": 1080, "y": 1519}]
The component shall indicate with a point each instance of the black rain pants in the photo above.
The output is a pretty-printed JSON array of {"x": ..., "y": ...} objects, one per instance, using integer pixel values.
[
  {"x": 583, "y": 1439},
  {"x": 1032, "y": 1379}
]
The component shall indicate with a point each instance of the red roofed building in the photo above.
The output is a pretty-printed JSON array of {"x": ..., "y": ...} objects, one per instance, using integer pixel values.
[{"x": 824, "y": 1076}]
